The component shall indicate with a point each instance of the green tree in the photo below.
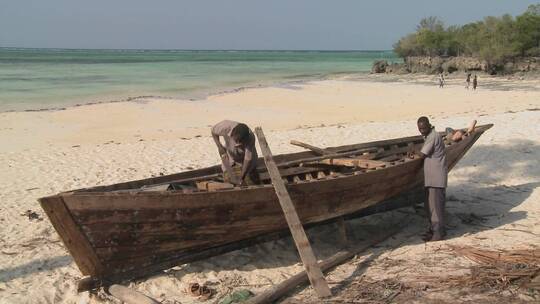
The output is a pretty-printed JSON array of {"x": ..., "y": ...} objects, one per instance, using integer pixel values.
[
  {"x": 408, "y": 46},
  {"x": 528, "y": 32},
  {"x": 431, "y": 23},
  {"x": 494, "y": 39},
  {"x": 533, "y": 9}
]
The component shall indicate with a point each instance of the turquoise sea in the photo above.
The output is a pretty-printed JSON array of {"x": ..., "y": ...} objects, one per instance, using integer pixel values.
[{"x": 32, "y": 79}]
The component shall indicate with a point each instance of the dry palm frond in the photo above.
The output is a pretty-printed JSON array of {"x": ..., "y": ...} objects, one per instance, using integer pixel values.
[
  {"x": 500, "y": 268},
  {"x": 491, "y": 257}
]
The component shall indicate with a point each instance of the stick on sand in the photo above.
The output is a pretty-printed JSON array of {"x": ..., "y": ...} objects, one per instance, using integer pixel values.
[
  {"x": 130, "y": 296},
  {"x": 278, "y": 291}
]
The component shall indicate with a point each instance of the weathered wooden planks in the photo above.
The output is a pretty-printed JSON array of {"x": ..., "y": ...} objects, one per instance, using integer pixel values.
[
  {"x": 302, "y": 243},
  {"x": 213, "y": 186},
  {"x": 312, "y": 207},
  {"x": 290, "y": 171},
  {"x": 71, "y": 235},
  {"x": 356, "y": 162},
  {"x": 182, "y": 176}
]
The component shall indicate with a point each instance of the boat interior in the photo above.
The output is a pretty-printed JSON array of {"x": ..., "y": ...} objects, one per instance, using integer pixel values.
[{"x": 318, "y": 164}]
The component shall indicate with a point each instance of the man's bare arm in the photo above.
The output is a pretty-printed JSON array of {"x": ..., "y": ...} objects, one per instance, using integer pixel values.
[
  {"x": 222, "y": 150},
  {"x": 247, "y": 165}
]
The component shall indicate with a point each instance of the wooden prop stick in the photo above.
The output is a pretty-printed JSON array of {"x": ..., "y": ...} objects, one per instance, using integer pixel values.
[
  {"x": 317, "y": 150},
  {"x": 283, "y": 288},
  {"x": 227, "y": 165},
  {"x": 129, "y": 296},
  {"x": 342, "y": 231},
  {"x": 299, "y": 235}
]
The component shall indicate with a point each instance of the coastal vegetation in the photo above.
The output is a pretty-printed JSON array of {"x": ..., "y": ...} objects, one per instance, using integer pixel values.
[{"x": 493, "y": 39}]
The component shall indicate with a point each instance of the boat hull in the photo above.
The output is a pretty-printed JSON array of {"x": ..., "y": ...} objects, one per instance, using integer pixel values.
[{"x": 115, "y": 234}]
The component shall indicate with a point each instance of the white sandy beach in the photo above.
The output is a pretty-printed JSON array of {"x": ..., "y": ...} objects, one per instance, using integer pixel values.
[{"x": 46, "y": 152}]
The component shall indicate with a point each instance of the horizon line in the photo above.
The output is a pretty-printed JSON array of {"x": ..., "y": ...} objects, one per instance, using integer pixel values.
[{"x": 226, "y": 50}]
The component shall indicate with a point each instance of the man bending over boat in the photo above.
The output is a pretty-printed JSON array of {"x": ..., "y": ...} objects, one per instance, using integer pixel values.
[
  {"x": 238, "y": 155},
  {"x": 435, "y": 178}
]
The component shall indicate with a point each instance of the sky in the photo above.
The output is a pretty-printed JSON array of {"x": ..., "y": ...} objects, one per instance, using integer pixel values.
[{"x": 231, "y": 24}]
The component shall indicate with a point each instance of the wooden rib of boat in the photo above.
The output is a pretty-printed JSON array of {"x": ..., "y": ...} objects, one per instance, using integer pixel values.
[{"x": 132, "y": 229}]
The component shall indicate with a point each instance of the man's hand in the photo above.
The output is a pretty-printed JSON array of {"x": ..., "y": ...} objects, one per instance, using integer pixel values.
[
  {"x": 243, "y": 180},
  {"x": 239, "y": 182}
]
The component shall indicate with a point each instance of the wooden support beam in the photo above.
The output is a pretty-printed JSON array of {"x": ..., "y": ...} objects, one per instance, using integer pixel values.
[
  {"x": 355, "y": 162},
  {"x": 313, "y": 271},
  {"x": 213, "y": 186},
  {"x": 150, "y": 187},
  {"x": 342, "y": 231},
  {"x": 283, "y": 288},
  {"x": 317, "y": 150},
  {"x": 289, "y": 172},
  {"x": 130, "y": 296},
  {"x": 326, "y": 156}
]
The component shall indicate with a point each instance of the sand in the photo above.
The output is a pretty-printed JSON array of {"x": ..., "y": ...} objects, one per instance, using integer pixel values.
[
  {"x": 286, "y": 107},
  {"x": 47, "y": 152}
]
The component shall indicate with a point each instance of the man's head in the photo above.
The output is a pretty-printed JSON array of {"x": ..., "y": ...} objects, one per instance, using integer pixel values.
[
  {"x": 240, "y": 133},
  {"x": 423, "y": 125}
]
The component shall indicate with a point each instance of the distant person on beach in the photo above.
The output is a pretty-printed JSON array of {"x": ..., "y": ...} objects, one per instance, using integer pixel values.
[
  {"x": 468, "y": 80},
  {"x": 435, "y": 179},
  {"x": 238, "y": 154},
  {"x": 441, "y": 80},
  {"x": 474, "y": 82}
]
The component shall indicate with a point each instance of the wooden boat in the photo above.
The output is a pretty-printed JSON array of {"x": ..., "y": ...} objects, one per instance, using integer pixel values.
[{"x": 132, "y": 229}]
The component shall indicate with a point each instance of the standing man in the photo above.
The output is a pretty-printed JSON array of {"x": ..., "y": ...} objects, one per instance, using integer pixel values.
[
  {"x": 435, "y": 178},
  {"x": 474, "y": 82},
  {"x": 441, "y": 80},
  {"x": 239, "y": 154}
]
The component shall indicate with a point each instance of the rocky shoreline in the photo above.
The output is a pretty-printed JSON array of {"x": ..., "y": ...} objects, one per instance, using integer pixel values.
[{"x": 434, "y": 65}]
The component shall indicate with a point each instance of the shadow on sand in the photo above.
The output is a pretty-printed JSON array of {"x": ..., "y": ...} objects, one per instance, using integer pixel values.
[
  {"x": 481, "y": 192},
  {"x": 32, "y": 267}
]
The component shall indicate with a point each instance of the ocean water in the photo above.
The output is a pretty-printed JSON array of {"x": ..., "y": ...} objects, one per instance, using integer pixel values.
[{"x": 32, "y": 79}]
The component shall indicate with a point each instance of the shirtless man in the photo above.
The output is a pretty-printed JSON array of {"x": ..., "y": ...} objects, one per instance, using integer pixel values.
[{"x": 238, "y": 154}]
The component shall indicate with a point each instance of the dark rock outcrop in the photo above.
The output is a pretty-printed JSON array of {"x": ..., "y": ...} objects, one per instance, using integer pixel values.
[
  {"x": 434, "y": 65},
  {"x": 379, "y": 66}
]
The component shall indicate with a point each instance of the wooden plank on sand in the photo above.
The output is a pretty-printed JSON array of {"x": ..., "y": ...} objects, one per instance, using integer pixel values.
[
  {"x": 277, "y": 291},
  {"x": 129, "y": 296},
  {"x": 302, "y": 243}
]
